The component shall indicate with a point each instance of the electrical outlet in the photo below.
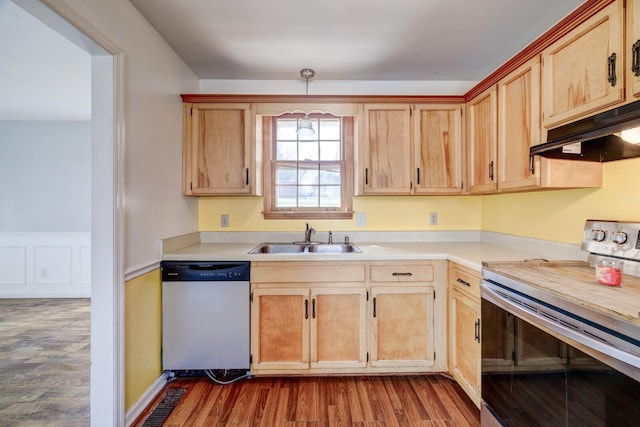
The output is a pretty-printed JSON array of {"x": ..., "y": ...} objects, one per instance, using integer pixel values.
[
  {"x": 433, "y": 218},
  {"x": 224, "y": 220},
  {"x": 361, "y": 219}
]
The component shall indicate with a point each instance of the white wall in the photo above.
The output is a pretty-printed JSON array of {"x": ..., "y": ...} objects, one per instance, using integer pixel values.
[
  {"x": 154, "y": 78},
  {"x": 45, "y": 176}
]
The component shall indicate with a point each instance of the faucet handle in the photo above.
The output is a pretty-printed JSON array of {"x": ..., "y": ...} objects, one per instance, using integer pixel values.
[{"x": 330, "y": 238}]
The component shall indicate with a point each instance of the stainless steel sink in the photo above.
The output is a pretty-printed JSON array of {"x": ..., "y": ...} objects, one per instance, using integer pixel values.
[{"x": 297, "y": 248}]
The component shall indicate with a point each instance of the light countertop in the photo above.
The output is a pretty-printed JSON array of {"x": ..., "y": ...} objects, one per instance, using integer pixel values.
[{"x": 469, "y": 254}]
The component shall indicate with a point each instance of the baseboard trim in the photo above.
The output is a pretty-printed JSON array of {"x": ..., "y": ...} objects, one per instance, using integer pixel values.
[{"x": 145, "y": 400}]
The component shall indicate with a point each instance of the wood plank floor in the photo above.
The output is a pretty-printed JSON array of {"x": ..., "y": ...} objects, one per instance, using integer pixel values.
[
  {"x": 404, "y": 400},
  {"x": 44, "y": 362}
]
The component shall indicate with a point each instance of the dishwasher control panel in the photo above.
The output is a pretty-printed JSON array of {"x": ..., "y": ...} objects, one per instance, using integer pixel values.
[{"x": 205, "y": 271}]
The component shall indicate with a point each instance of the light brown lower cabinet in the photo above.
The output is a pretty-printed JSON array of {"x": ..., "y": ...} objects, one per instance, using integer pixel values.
[
  {"x": 464, "y": 329},
  {"x": 349, "y": 317},
  {"x": 402, "y": 326},
  {"x": 301, "y": 329}
]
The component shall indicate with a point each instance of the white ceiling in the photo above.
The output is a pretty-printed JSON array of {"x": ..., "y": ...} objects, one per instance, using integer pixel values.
[
  {"x": 44, "y": 76},
  {"x": 417, "y": 40}
]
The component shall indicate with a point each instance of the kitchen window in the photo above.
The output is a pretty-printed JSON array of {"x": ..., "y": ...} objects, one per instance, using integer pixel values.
[{"x": 308, "y": 176}]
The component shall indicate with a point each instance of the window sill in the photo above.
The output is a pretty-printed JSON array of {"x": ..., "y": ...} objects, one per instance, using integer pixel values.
[{"x": 308, "y": 215}]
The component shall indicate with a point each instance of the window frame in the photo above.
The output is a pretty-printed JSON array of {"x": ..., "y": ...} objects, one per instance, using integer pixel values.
[{"x": 345, "y": 211}]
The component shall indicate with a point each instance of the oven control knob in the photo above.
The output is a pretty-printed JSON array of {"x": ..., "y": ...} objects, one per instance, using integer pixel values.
[
  {"x": 619, "y": 237},
  {"x": 598, "y": 235}
]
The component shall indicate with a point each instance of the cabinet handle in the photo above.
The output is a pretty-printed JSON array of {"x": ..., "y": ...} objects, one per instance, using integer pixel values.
[
  {"x": 477, "y": 330},
  {"x": 366, "y": 176},
  {"x": 306, "y": 308},
  {"x": 635, "y": 61},
  {"x": 374, "y": 306},
  {"x": 313, "y": 308},
  {"x": 532, "y": 165},
  {"x": 611, "y": 62},
  {"x": 418, "y": 180},
  {"x": 402, "y": 274},
  {"x": 491, "y": 170},
  {"x": 246, "y": 176},
  {"x": 464, "y": 282}
]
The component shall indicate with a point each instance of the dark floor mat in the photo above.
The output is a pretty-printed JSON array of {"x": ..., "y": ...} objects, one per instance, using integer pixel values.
[{"x": 162, "y": 410}]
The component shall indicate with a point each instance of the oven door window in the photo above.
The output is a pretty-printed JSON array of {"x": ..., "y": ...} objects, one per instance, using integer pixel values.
[{"x": 529, "y": 377}]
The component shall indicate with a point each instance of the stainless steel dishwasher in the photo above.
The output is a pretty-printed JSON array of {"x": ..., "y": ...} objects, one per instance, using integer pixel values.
[{"x": 205, "y": 315}]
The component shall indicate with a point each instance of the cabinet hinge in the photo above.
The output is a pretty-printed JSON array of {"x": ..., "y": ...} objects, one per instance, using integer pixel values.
[
  {"x": 513, "y": 357},
  {"x": 191, "y": 186},
  {"x": 251, "y": 297},
  {"x": 434, "y": 295},
  {"x": 367, "y": 295},
  {"x": 251, "y": 359},
  {"x": 367, "y": 357},
  {"x": 191, "y": 112},
  {"x": 434, "y": 355}
]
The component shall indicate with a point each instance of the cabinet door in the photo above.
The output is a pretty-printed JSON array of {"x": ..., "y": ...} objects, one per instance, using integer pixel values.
[
  {"x": 338, "y": 327},
  {"x": 218, "y": 149},
  {"x": 482, "y": 116},
  {"x": 578, "y": 78},
  {"x": 534, "y": 347},
  {"x": 402, "y": 326},
  {"x": 437, "y": 131},
  {"x": 519, "y": 126},
  {"x": 464, "y": 357},
  {"x": 280, "y": 328},
  {"x": 387, "y": 149},
  {"x": 633, "y": 50}
]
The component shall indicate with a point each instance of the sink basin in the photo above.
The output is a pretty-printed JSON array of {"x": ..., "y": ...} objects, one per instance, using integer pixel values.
[
  {"x": 297, "y": 248},
  {"x": 278, "y": 248},
  {"x": 333, "y": 248}
]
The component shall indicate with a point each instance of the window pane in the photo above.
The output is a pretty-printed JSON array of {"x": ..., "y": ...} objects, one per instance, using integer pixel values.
[
  {"x": 330, "y": 129},
  {"x": 330, "y": 174},
  {"x": 308, "y": 150},
  {"x": 308, "y": 196},
  {"x": 330, "y": 196},
  {"x": 287, "y": 129},
  {"x": 287, "y": 150},
  {"x": 286, "y": 196},
  {"x": 330, "y": 150},
  {"x": 308, "y": 174},
  {"x": 286, "y": 174}
]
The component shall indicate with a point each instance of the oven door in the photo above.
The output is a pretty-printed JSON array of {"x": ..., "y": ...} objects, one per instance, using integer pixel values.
[{"x": 533, "y": 375}]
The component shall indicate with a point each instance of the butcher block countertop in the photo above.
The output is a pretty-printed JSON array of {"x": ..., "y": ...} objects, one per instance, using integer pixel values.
[{"x": 575, "y": 281}]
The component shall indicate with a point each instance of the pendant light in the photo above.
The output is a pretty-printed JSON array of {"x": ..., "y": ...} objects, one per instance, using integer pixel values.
[{"x": 305, "y": 127}]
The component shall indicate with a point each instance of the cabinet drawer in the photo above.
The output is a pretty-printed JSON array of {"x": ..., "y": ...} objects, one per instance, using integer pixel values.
[
  {"x": 282, "y": 272},
  {"x": 401, "y": 273},
  {"x": 465, "y": 280}
]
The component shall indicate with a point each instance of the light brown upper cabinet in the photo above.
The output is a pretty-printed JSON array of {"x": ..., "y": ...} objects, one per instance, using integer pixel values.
[
  {"x": 437, "y": 134},
  {"x": 482, "y": 134},
  {"x": 518, "y": 126},
  {"x": 632, "y": 71},
  {"x": 582, "y": 71},
  {"x": 218, "y": 150},
  {"x": 411, "y": 149}
]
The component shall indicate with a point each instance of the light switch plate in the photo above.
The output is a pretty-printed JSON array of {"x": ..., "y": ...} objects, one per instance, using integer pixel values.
[
  {"x": 224, "y": 220},
  {"x": 361, "y": 219},
  {"x": 433, "y": 218}
]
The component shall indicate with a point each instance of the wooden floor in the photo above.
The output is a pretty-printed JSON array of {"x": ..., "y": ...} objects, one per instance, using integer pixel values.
[
  {"x": 44, "y": 362},
  {"x": 408, "y": 400}
]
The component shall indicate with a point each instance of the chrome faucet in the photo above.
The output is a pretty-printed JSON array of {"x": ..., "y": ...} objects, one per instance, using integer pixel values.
[
  {"x": 308, "y": 232},
  {"x": 330, "y": 238}
]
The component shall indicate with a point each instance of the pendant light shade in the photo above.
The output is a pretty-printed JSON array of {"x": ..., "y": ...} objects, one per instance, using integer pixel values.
[{"x": 305, "y": 127}]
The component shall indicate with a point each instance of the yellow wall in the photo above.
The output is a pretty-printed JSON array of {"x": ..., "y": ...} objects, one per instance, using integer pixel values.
[
  {"x": 142, "y": 335},
  {"x": 556, "y": 215},
  {"x": 560, "y": 215},
  {"x": 382, "y": 213}
]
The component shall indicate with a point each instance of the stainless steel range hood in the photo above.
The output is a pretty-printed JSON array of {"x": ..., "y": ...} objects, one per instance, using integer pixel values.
[{"x": 596, "y": 138}]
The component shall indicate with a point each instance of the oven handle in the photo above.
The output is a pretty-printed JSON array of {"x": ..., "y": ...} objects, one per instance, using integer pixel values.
[{"x": 617, "y": 358}]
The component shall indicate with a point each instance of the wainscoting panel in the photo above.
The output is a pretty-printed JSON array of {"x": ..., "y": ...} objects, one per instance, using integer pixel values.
[{"x": 45, "y": 265}]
